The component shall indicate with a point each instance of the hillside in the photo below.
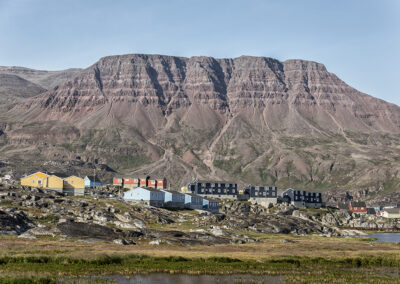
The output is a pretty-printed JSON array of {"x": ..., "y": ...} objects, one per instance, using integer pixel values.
[
  {"x": 250, "y": 119},
  {"x": 45, "y": 79}
]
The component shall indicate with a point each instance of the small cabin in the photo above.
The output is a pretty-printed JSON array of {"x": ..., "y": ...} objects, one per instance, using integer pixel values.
[{"x": 358, "y": 207}]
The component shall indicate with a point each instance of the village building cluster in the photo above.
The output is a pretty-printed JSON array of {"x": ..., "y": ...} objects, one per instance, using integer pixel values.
[
  {"x": 71, "y": 185},
  {"x": 389, "y": 212},
  {"x": 199, "y": 194}
]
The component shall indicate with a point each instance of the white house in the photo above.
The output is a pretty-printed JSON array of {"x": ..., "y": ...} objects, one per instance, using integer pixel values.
[{"x": 148, "y": 196}]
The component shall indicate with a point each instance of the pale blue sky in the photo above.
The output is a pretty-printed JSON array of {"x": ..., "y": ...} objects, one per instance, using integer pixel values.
[{"x": 359, "y": 40}]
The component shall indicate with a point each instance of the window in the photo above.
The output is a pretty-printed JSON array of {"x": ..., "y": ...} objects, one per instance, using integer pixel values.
[{"x": 39, "y": 182}]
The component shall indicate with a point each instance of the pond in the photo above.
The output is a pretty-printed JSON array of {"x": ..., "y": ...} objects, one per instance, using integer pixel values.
[
  {"x": 386, "y": 237},
  {"x": 163, "y": 278}
]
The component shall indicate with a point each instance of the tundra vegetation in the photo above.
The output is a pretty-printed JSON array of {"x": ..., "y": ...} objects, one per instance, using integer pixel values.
[{"x": 302, "y": 259}]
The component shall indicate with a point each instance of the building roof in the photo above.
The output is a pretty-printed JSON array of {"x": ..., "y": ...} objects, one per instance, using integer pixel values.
[
  {"x": 171, "y": 191},
  {"x": 73, "y": 176},
  {"x": 257, "y": 186},
  {"x": 147, "y": 188},
  {"x": 213, "y": 181},
  {"x": 61, "y": 175},
  {"x": 191, "y": 194},
  {"x": 358, "y": 204},
  {"x": 210, "y": 199},
  {"x": 392, "y": 210},
  {"x": 38, "y": 174},
  {"x": 55, "y": 176}
]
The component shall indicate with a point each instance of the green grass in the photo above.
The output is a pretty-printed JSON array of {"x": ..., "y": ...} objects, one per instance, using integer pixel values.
[{"x": 45, "y": 269}]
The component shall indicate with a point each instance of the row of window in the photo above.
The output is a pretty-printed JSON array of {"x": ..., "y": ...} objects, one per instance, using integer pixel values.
[
  {"x": 272, "y": 194},
  {"x": 215, "y": 190},
  {"x": 216, "y": 184}
]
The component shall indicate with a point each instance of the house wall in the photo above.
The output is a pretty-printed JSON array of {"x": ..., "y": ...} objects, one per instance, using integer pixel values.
[
  {"x": 358, "y": 209},
  {"x": 161, "y": 183},
  {"x": 151, "y": 183},
  {"x": 117, "y": 181},
  {"x": 87, "y": 182},
  {"x": 34, "y": 181},
  {"x": 74, "y": 182},
  {"x": 54, "y": 182},
  {"x": 37, "y": 179},
  {"x": 137, "y": 194}
]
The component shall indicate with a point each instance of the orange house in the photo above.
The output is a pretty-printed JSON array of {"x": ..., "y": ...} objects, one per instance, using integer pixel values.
[
  {"x": 161, "y": 183},
  {"x": 117, "y": 181},
  {"x": 143, "y": 181}
]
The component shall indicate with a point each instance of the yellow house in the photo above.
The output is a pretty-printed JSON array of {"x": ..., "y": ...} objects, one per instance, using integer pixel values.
[
  {"x": 74, "y": 182},
  {"x": 37, "y": 179},
  {"x": 54, "y": 182}
]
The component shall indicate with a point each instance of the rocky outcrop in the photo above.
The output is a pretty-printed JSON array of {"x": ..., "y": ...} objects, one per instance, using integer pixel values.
[{"x": 13, "y": 222}]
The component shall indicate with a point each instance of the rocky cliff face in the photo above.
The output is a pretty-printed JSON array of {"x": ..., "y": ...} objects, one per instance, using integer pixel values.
[{"x": 252, "y": 119}]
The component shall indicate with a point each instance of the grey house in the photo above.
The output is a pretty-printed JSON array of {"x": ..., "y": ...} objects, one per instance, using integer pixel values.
[
  {"x": 302, "y": 198},
  {"x": 219, "y": 189},
  {"x": 263, "y": 195}
]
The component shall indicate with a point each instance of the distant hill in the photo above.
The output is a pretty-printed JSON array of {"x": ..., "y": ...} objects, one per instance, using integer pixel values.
[
  {"x": 45, "y": 79},
  {"x": 249, "y": 119}
]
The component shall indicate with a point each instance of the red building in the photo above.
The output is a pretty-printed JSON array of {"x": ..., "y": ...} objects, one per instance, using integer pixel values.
[
  {"x": 144, "y": 181},
  {"x": 358, "y": 207},
  {"x": 117, "y": 181},
  {"x": 161, "y": 183},
  {"x": 152, "y": 183}
]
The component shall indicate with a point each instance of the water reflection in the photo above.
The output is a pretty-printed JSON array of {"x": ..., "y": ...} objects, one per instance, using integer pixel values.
[{"x": 162, "y": 278}]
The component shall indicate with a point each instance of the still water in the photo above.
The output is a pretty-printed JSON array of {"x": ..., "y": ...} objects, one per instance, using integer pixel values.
[
  {"x": 163, "y": 278},
  {"x": 386, "y": 237}
]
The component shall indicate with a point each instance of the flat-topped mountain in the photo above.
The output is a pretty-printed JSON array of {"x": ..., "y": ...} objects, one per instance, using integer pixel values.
[{"x": 252, "y": 119}]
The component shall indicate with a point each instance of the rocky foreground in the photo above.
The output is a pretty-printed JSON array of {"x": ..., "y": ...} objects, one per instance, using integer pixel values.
[{"x": 32, "y": 213}]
